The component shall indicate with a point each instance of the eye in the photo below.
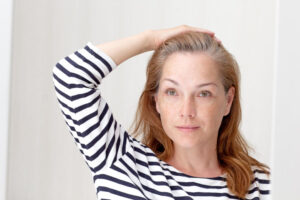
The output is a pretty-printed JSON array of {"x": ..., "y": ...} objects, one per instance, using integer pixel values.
[
  {"x": 205, "y": 93},
  {"x": 171, "y": 92}
]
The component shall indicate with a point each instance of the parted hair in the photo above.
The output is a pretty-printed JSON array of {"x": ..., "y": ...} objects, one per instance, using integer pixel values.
[{"x": 232, "y": 149}]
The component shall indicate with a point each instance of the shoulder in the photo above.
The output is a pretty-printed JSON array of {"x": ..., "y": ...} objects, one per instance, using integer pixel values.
[
  {"x": 261, "y": 182},
  {"x": 260, "y": 174}
]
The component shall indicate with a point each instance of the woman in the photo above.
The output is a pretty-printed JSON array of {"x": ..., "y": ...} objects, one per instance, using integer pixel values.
[{"x": 188, "y": 115}]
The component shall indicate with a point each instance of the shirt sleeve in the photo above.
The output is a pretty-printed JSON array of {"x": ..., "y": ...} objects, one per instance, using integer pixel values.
[{"x": 98, "y": 136}]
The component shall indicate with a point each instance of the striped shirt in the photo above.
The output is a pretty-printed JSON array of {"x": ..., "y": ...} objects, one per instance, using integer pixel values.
[{"x": 123, "y": 167}]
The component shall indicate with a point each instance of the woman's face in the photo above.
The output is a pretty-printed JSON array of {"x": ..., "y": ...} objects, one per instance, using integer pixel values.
[{"x": 191, "y": 99}]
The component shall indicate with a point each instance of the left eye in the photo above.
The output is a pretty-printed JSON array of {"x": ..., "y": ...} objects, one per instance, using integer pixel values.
[{"x": 205, "y": 94}]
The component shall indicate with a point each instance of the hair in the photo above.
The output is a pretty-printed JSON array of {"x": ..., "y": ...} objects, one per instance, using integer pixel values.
[{"x": 232, "y": 149}]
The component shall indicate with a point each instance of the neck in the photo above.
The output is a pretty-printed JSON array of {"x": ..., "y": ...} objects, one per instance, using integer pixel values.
[{"x": 200, "y": 162}]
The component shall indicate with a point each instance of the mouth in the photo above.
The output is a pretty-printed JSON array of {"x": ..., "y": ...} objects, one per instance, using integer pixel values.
[{"x": 187, "y": 128}]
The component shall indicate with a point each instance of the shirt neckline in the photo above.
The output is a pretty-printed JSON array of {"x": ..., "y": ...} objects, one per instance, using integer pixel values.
[{"x": 222, "y": 176}]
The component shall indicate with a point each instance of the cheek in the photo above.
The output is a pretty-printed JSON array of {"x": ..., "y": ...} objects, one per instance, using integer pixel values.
[
  {"x": 168, "y": 113},
  {"x": 166, "y": 119},
  {"x": 168, "y": 105},
  {"x": 167, "y": 110},
  {"x": 211, "y": 111}
]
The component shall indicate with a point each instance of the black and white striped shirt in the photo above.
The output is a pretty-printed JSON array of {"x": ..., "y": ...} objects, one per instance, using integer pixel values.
[{"x": 123, "y": 167}]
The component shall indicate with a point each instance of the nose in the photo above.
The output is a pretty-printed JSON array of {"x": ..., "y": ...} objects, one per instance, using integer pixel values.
[{"x": 188, "y": 108}]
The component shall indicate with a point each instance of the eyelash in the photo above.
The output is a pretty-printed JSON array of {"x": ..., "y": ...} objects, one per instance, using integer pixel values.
[{"x": 208, "y": 93}]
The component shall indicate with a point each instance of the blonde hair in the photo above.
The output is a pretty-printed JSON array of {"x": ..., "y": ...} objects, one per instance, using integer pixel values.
[{"x": 232, "y": 149}]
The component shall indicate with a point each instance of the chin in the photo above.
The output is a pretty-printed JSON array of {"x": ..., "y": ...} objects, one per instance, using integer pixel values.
[{"x": 186, "y": 144}]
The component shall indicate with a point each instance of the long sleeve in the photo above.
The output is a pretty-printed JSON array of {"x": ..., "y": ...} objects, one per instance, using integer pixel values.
[{"x": 99, "y": 137}]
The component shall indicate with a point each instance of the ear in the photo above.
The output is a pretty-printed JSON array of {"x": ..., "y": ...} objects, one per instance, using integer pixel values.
[
  {"x": 156, "y": 103},
  {"x": 229, "y": 99}
]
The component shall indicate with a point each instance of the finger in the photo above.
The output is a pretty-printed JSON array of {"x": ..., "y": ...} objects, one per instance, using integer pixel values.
[
  {"x": 217, "y": 39},
  {"x": 193, "y": 28},
  {"x": 211, "y": 33},
  {"x": 207, "y": 31}
]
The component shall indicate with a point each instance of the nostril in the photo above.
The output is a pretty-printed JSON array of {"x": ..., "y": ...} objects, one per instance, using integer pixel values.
[{"x": 188, "y": 110}]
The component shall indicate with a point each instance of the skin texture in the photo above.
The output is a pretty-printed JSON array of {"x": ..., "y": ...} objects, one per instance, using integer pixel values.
[{"x": 184, "y": 104}]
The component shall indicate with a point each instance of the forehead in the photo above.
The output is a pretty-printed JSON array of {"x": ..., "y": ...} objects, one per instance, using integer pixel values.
[{"x": 190, "y": 67}]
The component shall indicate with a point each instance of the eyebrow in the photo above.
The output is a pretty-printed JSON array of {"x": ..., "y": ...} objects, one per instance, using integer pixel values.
[{"x": 197, "y": 86}]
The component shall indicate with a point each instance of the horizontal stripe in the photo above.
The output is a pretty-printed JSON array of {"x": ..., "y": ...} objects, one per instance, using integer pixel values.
[
  {"x": 119, "y": 193},
  {"x": 99, "y": 57},
  {"x": 90, "y": 63}
]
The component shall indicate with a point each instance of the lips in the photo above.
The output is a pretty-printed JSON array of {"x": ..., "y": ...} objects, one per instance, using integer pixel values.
[{"x": 187, "y": 128}]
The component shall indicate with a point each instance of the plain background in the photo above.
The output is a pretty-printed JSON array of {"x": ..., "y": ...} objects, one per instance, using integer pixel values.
[
  {"x": 42, "y": 161},
  {"x": 5, "y": 57}
]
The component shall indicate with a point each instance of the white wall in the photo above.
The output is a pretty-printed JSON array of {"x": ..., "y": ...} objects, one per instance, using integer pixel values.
[
  {"x": 5, "y": 52},
  {"x": 286, "y": 132},
  {"x": 45, "y": 31}
]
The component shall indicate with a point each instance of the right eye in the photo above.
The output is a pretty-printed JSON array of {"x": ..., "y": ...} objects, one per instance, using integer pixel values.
[{"x": 171, "y": 92}]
